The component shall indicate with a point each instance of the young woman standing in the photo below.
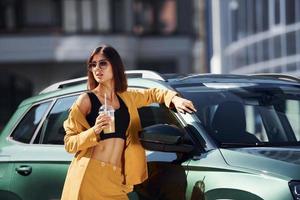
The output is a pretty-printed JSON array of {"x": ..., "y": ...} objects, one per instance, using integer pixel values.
[{"x": 108, "y": 165}]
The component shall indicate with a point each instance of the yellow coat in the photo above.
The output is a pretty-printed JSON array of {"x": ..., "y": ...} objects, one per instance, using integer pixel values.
[{"x": 80, "y": 139}]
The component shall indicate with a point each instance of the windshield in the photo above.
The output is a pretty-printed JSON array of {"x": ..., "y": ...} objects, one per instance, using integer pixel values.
[{"x": 239, "y": 114}]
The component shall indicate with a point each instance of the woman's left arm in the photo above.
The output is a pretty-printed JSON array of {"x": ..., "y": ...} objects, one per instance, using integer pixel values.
[
  {"x": 183, "y": 105},
  {"x": 144, "y": 97}
]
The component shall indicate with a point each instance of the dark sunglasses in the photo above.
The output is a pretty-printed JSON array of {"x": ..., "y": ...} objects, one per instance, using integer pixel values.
[{"x": 102, "y": 64}]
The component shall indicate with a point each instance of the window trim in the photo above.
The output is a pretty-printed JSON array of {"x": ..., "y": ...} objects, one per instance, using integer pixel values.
[
  {"x": 9, "y": 137},
  {"x": 46, "y": 116},
  {"x": 55, "y": 24},
  {"x": 42, "y": 132},
  {"x": 42, "y": 121}
]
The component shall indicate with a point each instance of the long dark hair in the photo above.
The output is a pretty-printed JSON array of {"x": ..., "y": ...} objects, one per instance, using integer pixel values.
[{"x": 117, "y": 67}]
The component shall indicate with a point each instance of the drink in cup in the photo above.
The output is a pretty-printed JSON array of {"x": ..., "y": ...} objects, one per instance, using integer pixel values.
[{"x": 109, "y": 111}]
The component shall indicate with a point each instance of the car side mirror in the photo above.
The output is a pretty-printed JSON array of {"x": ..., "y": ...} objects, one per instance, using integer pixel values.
[{"x": 163, "y": 137}]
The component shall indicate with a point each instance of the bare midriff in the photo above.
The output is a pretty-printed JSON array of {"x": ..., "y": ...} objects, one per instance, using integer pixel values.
[{"x": 110, "y": 151}]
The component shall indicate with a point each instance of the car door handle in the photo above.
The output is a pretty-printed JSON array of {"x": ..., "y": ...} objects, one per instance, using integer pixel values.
[{"x": 24, "y": 170}]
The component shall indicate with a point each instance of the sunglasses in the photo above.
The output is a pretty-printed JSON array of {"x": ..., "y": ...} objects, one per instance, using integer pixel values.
[{"x": 102, "y": 64}]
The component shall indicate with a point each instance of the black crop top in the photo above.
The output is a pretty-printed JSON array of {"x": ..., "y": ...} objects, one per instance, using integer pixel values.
[{"x": 121, "y": 117}]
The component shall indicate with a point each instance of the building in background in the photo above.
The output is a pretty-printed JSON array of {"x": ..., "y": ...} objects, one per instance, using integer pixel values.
[
  {"x": 255, "y": 36},
  {"x": 45, "y": 41}
]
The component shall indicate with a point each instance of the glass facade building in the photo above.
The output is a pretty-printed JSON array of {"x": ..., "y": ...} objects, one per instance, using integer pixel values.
[
  {"x": 256, "y": 36},
  {"x": 46, "y": 41}
]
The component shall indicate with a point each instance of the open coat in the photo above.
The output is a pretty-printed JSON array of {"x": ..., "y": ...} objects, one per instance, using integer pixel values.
[{"x": 80, "y": 139}]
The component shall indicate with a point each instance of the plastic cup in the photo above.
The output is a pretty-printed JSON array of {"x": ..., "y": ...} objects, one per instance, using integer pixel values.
[{"x": 109, "y": 111}]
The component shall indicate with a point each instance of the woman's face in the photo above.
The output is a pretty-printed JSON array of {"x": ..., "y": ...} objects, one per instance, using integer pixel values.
[{"x": 101, "y": 69}]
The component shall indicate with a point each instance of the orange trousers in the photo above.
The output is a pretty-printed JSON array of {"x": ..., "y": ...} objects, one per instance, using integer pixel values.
[{"x": 103, "y": 181}]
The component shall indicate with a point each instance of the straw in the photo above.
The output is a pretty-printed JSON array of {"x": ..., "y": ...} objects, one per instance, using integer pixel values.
[{"x": 105, "y": 105}]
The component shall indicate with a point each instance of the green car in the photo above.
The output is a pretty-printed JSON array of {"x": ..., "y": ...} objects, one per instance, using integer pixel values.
[{"x": 242, "y": 143}]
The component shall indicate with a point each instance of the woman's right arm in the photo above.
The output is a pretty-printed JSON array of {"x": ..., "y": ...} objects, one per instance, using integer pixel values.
[{"x": 78, "y": 137}]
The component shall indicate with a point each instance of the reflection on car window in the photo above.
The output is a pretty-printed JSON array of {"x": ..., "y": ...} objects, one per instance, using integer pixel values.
[
  {"x": 228, "y": 123},
  {"x": 160, "y": 114},
  {"x": 52, "y": 131},
  {"x": 27, "y": 126},
  {"x": 254, "y": 123},
  {"x": 292, "y": 109},
  {"x": 248, "y": 115},
  {"x": 156, "y": 114}
]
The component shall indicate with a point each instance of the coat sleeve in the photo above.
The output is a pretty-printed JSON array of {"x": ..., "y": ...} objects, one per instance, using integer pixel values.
[
  {"x": 78, "y": 136},
  {"x": 144, "y": 97}
]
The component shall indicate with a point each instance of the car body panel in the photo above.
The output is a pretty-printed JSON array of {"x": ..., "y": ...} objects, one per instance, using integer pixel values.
[
  {"x": 278, "y": 162},
  {"x": 48, "y": 161},
  {"x": 218, "y": 180}
]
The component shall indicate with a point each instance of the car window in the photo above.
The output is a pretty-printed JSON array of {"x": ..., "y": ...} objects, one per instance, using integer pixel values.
[
  {"x": 254, "y": 123},
  {"x": 292, "y": 109},
  {"x": 233, "y": 122},
  {"x": 156, "y": 114},
  {"x": 160, "y": 114},
  {"x": 27, "y": 126},
  {"x": 52, "y": 131},
  {"x": 248, "y": 114}
]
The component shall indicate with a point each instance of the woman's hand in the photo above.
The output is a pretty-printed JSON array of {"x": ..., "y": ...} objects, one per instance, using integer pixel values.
[
  {"x": 183, "y": 105},
  {"x": 102, "y": 122}
]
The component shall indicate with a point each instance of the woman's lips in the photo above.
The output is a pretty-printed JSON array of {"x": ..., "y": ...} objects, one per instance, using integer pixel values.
[{"x": 99, "y": 75}]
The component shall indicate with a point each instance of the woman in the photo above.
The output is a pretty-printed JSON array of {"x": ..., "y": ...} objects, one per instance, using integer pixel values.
[{"x": 107, "y": 166}]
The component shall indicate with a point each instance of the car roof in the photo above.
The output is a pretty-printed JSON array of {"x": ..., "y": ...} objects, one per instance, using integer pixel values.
[
  {"x": 136, "y": 78},
  {"x": 236, "y": 78},
  {"x": 145, "y": 78}
]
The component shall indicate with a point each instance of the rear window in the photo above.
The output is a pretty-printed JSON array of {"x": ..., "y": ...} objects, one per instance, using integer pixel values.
[{"x": 26, "y": 128}]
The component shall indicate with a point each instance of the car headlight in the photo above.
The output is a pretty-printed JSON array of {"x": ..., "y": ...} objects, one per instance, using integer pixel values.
[{"x": 295, "y": 189}]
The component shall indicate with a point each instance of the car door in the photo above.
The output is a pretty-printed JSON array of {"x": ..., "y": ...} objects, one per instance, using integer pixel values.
[
  {"x": 40, "y": 161},
  {"x": 5, "y": 176},
  {"x": 166, "y": 170}
]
